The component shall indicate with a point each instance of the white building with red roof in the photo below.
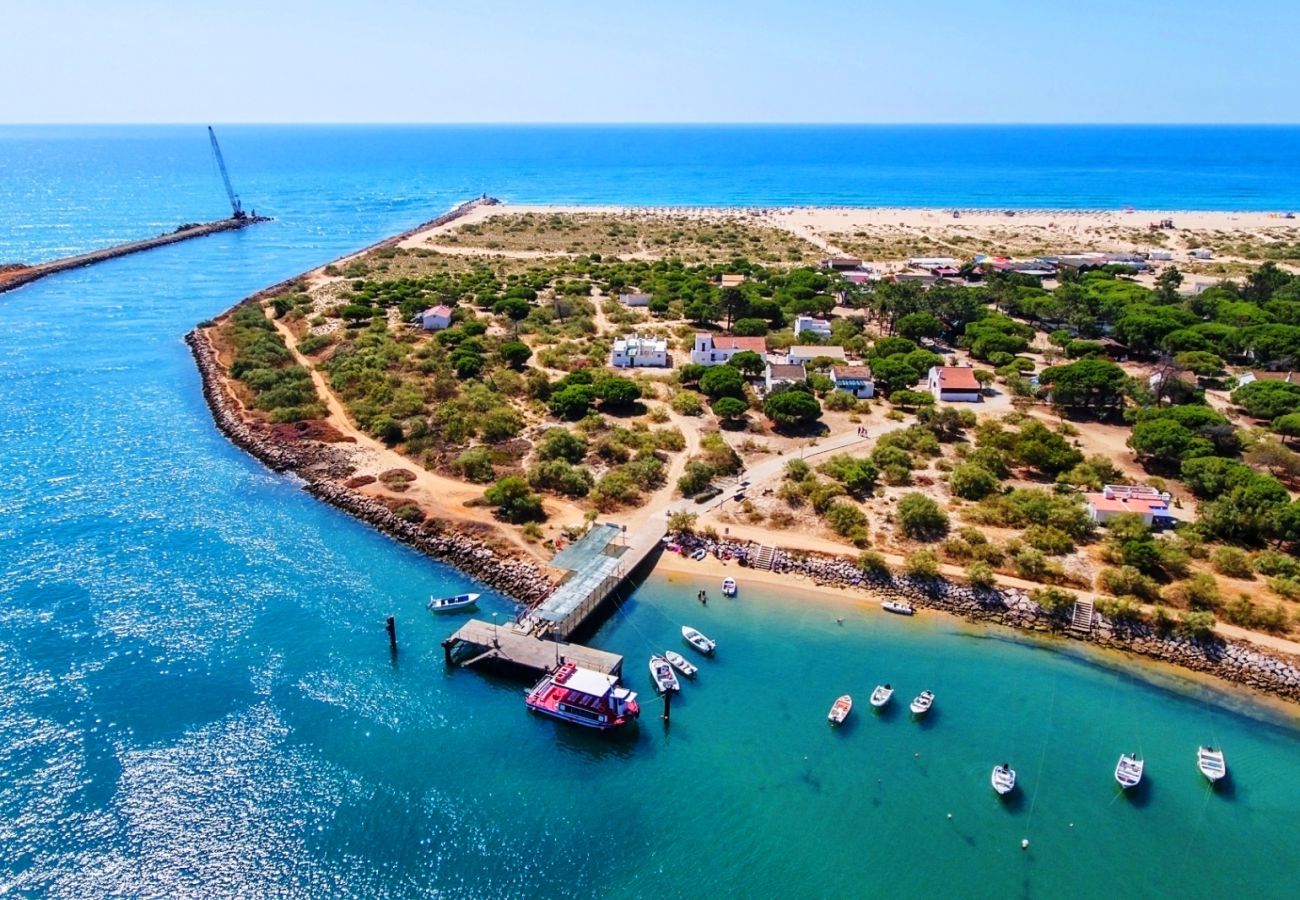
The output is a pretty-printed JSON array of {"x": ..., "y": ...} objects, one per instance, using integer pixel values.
[
  {"x": 955, "y": 384},
  {"x": 716, "y": 349},
  {"x": 436, "y": 318},
  {"x": 1118, "y": 499}
]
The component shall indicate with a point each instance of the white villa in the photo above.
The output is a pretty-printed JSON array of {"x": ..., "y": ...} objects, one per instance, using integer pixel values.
[
  {"x": 436, "y": 318},
  {"x": 856, "y": 380},
  {"x": 800, "y": 355},
  {"x": 636, "y": 350},
  {"x": 778, "y": 373},
  {"x": 955, "y": 384},
  {"x": 715, "y": 349},
  {"x": 1117, "y": 499},
  {"x": 808, "y": 323}
]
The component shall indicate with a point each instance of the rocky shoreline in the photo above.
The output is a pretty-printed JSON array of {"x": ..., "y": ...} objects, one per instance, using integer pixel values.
[
  {"x": 1238, "y": 662},
  {"x": 321, "y": 468}
]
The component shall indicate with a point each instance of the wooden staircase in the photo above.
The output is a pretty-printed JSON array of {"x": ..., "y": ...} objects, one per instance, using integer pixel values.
[
  {"x": 1081, "y": 620},
  {"x": 763, "y": 559}
]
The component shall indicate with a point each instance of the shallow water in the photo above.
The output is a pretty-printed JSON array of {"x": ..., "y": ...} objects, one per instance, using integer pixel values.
[{"x": 195, "y": 685}]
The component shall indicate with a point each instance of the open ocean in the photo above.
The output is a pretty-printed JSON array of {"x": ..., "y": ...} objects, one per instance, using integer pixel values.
[{"x": 196, "y": 695}]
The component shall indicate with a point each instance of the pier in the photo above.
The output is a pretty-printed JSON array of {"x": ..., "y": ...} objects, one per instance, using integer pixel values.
[
  {"x": 598, "y": 564},
  {"x": 16, "y": 275}
]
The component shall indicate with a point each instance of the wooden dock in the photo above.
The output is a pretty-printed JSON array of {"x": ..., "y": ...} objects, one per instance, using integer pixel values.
[{"x": 515, "y": 646}]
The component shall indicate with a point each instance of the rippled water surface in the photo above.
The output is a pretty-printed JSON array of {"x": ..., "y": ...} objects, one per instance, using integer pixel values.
[{"x": 196, "y": 695}]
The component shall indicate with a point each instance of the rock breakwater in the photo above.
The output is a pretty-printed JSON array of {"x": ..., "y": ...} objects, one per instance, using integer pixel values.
[
  {"x": 1235, "y": 661},
  {"x": 323, "y": 468}
]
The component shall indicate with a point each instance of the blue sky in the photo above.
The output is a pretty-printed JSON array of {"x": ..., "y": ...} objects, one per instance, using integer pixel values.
[{"x": 649, "y": 61}]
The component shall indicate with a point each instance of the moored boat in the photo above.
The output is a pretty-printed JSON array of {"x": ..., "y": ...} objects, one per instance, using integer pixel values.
[
  {"x": 840, "y": 710},
  {"x": 1128, "y": 771},
  {"x": 1211, "y": 763},
  {"x": 681, "y": 663},
  {"x": 664, "y": 677},
  {"x": 921, "y": 705},
  {"x": 881, "y": 695},
  {"x": 1004, "y": 779},
  {"x": 901, "y": 607},
  {"x": 697, "y": 640},
  {"x": 728, "y": 587},
  {"x": 451, "y": 604},
  {"x": 584, "y": 697}
]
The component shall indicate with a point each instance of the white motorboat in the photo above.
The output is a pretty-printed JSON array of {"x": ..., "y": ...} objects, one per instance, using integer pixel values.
[
  {"x": 840, "y": 710},
  {"x": 1211, "y": 763},
  {"x": 451, "y": 604},
  {"x": 921, "y": 705},
  {"x": 901, "y": 607},
  {"x": 1004, "y": 779},
  {"x": 881, "y": 695},
  {"x": 698, "y": 640},
  {"x": 662, "y": 674},
  {"x": 1128, "y": 771},
  {"x": 728, "y": 587},
  {"x": 681, "y": 663},
  {"x": 699, "y": 554}
]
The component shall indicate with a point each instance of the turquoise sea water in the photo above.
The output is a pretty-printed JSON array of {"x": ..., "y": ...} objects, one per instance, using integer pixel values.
[{"x": 196, "y": 694}]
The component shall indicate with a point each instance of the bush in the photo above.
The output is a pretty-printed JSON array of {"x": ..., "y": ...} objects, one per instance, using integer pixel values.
[
  {"x": 839, "y": 401},
  {"x": 1128, "y": 581},
  {"x": 561, "y": 477},
  {"x": 1053, "y": 601},
  {"x": 845, "y": 519},
  {"x": 561, "y": 443},
  {"x": 723, "y": 381},
  {"x": 1198, "y": 626},
  {"x": 1052, "y": 541},
  {"x": 792, "y": 409},
  {"x": 695, "y": 478},
  {"x": 972, "y": 482},
  {"x": 979, "y": 574},
  {"x": 1270, "y": 562},
  {"x": 1231, "y": 562},
  {"x": 514, "y": 354},
  {"x": 920, "y": 518},
  {"x": 682, "y": 522},
  {"x": 857, "y": 475},
  {"x": 873, "y": 563},
  {"x": 730, "y": 408},
  {"x": 1120, "y": 609},
  {"x": 514, "y": 501},
  {"x": 1200, "y": 591},
  {"x": 475, "y": 465},
  {"x": 688, "y": 403},
  {"x": 921, "y": 564}
]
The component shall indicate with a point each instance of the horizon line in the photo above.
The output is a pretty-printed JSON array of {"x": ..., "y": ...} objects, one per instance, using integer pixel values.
[{"x": 649, "y": 124}]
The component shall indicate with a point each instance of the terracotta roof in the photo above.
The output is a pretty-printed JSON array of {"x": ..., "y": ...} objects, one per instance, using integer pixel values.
[
  {"x": 438, "y": 311},
  {"x": 730, "y": 342},
  {"x": 1273, "y": 376},
  {"x": 787, "y": 373},
  {"x": 851, "y": 372},
  {"x": 815, "y": 350},
  {"x": 957, "y": 378}
]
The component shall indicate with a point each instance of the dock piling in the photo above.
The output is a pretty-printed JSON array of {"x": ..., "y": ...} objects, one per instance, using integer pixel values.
[{"x": 392, "y": 634}]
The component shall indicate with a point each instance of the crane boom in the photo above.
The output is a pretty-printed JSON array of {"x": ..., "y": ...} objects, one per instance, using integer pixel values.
[{"x": 236, "y": 211}]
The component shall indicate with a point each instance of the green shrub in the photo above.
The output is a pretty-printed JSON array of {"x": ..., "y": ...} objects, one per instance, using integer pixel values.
[
  {"x": 475, "y": 465},
  {"x": 921, "y": 564},
  {"x": 1232, "y": 562},
  {"x": 920, "y": 518}
]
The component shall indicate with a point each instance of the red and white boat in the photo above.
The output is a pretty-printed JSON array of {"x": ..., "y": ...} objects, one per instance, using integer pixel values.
[{"x": 584, "y": 697}]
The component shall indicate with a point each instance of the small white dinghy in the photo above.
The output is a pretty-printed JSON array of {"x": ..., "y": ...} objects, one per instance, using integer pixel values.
[
  {"x": 451, "y": 604},
  {"x": 697, "y": 640},
  {"x": 840, "y": 710},
  {"x": 662, "y": 674},
  {"x": 728, "y": 587},
  {"x": 681, "y": 663},
  {"x": 1211, "y": 763},
  {"x": 1128, "y": 771},
  {"x": 1004, "y": 779},
  {"x": 921, "y": 705},
  {"x": 881, "y": 695},
  {"x": 901, "y": 607}
]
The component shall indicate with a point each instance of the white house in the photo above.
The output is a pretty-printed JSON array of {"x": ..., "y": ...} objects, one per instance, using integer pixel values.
[
  {"x": 808, "y": 323},
  {"x": 634, "y": 299},
  {"x": 436, "y": 318},
  {"x": 1117, "y": 499},
  {"x": 639, "y": 351},
  {"x": 779, "y": 373},
  {"x": 955, "y": 384},
  {"x": 803, "y": 354},
  {"x": 715, "y": 349},
  {"x": 856, "y": 380}
]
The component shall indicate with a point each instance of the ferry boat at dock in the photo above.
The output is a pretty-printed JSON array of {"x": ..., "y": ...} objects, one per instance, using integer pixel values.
[{"x": 584, "y": 697}]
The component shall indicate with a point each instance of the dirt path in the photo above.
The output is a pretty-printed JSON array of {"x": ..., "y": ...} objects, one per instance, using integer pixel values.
[{"x": 437, "y": 495}]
